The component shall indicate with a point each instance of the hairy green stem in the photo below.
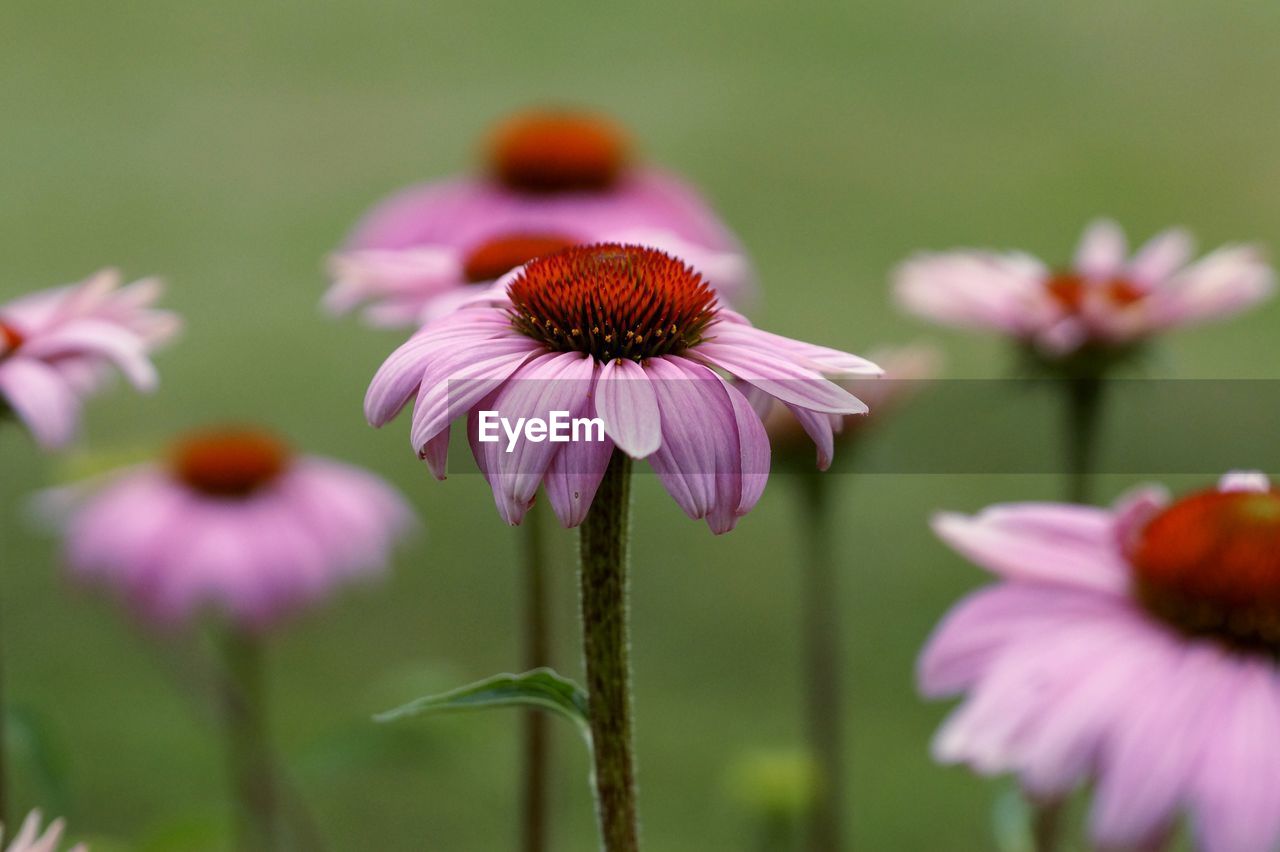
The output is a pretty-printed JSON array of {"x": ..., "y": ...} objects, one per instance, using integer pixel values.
[
  {"x": 252, "y": 772},
  {"x": 822, "y": 662},
  {"x": 604, "y": 642},
  {"x": 534, "y": 819}
]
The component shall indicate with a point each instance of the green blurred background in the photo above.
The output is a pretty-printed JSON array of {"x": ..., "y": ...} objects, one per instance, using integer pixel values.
[{"x": 228, "y": 145}]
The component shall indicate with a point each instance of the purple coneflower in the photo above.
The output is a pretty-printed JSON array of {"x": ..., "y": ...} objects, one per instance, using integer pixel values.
[
  {"x": 236, "y": 523},
  {"x": 631, "y": 336},
  {"x": 1103, "y": 300},
  {"x": 1133, "y": 648},
  {"x": 633, "y": 339},
  {"x": 56, "y": 348},
  {"x": 31, "y": 839},
  {"x": 552, "y": 179}
]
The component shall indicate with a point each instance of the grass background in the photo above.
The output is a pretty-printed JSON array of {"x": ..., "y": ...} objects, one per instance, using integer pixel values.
[{"x": 228, "y": 146}]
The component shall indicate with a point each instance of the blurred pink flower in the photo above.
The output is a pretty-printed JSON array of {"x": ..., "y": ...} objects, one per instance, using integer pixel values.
[
  {"x": 1133, "y": 648},
  {"x": 905, "y": 368},
  {"x": 236, "y": 523},
  {"x": 634, "y": 337},
  {"x": 30, "y": 838},
  {"x": 553, "y": 179},
  {"x": 56, "y": 347},
  {"x": 1104, "y": 299}
]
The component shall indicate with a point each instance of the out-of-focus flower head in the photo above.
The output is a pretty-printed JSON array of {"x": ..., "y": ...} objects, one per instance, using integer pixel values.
[
  {"x": 1133, "y": 648},
  {"x": 233, "y": 522},
  {"x": 551, "y": 179},
  {"x": 58, "y": 346},
  {"x": 1103, "y": 304}
]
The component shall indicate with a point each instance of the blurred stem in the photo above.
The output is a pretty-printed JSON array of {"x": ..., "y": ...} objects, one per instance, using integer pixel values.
[
  {"x": 1046, "y": 825},
  {"x": 537, "y": 654},
  {"x": 604, "y": 642},
  {"x": 1083, "y": 415},
  {"x": 4, "y": 706},
  {"x": 253, "y": 784},
  {"x": 821, "y": 620}
]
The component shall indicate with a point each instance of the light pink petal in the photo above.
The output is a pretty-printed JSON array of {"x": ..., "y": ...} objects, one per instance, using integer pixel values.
[
  {"x": 548, "y": 383},
  {"x": 821, "y": 428},
  {"x": 40, "y": 397},
  {"x": 412, "y": 275},
  {"x": 1101, "y": 255},
  {"x": 985, "y": 623},
  {"x": 95, "y": 338},
  {"x": 1161, "y": 256},
  {"x": 1222, "y": 283},
  {"x": 452, "y": 382},
  {"x": 995, "y": 730},
  {"x": 1154, "y": 749},
  {"x": 978, "y": 290},
  {"x": 820, "y": 359},
  {"x": 704, "y": 432},
  {"x": 436, "y": 453},
  {"x": 573, "y": 478},
  {"x": 1045, "y": 542},
  {"x": 780, "y": 377},
  {"x": 626, "y": 402},
  {"x": 1237, "y": 788}
]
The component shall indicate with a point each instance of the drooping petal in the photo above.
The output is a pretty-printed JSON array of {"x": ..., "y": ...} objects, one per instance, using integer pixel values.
[
  {"x": 1237, "y": 790},
  {"x": 1048, "y": 542},
  {"x": 88, "y": 338},
  {"x": 626, "y": 402},
  {"x": 550, "y": 383},
  {"x": 780, "y": 377},
  {"x": 39, "y": 396}
]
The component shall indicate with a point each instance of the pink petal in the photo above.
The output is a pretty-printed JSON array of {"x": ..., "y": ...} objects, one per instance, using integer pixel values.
[
  {"x": 1102, "y": 251},
  {"x": 1044, "y": 542},
  {"x": 780, "y": 377},
  {"x": 1161, "y": 256},
  {"x": 626, "y": 402},
  {"x": 39, "y": 396}
]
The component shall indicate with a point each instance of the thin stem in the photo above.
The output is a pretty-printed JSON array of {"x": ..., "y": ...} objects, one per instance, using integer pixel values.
[
  {"x": 534, "y": 823},
  {"x": 1047, "y": 825},
  {"x": 604, "y": 642},
  {"x": 253, "y": 783},
  {"x": 1083, "y": 415},
  {"x": 4, "y": 740},
  {"x": 821, "y": 623}
]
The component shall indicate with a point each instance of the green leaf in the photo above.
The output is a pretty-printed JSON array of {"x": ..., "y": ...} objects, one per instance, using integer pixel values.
[{"x": 540, "y": 689}]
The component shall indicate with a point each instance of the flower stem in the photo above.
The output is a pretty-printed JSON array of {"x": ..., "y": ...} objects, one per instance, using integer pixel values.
[
  {"x": 604, "y": 642},
  {"x": 252, "y": 775},
  {"x": 1046, "y": 825},
  {"x": 534, "y": 826},
  {"x": 1083, "y": 414},
  {"x": 821, "y": 620}
]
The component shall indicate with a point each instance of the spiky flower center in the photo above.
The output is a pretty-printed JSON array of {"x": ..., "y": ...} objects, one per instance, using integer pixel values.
[
  {"x": 1210, "y": 565},
  {"x": 496, "y": 257},
  {"x": 612, "y": 301},
  {"x": 10, "y": 339},
  {"x": 557, "y": 151},
  {"x": 1072, "y": 292},
  {"x": 230, "y": 462}
]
